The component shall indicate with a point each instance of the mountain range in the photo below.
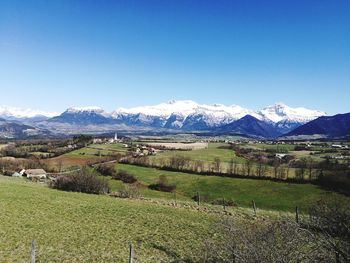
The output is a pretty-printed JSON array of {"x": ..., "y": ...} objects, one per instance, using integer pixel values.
[
  {"x": 337, "y": 126},
  {"x": 173, "y": 116}
]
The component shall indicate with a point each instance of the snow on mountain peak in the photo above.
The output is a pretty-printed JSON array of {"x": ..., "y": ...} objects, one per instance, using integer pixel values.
[
  {"x": 20, "y": 113},
  {"x": 179, "y": 114},
  {"x": 218, "y": 113},
  {"x": 89, "y": 109},
  {"x": 181, "y": 107},
  {"x": 281, "y": 112},
  {"x": 85, "y": 109}
]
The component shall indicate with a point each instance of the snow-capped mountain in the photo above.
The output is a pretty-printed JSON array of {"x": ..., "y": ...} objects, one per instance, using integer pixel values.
[
  {"x": 286, "y": 118},
  {"x": 249, "y": 126},
  {"x": 83, "y": 116},
  {"x": 281, "y": 113},
  {"x": 337, "y": 126},
  {"x": 189, "y": 115},
  {"x": 15, "y": 113},
  {"x": 90, "y": 109},
  {"x": 185, "y": 114}
]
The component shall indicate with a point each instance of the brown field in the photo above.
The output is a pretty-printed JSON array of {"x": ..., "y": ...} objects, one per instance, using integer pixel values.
[
  {"x": 2, "y": 146},
  {"x": 12, "y": 159},
  {"x": 180, "y": 146},
  {"x": 68, "y": 161}
]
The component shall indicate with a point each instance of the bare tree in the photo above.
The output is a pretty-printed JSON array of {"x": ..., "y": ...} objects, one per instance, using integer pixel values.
[
  {"x": 261, "y": 167},
  {"x": 179, "y": 162},
  {"x": 217, "y": 164},
  {"x": 261, "y": 241},
  {"x": 310, "y": 166},
  {"x": 331, "y": 218},
  {"x": 248, "y": 166},
  {"x": 276, "y": 165},
  {"x": 198, "y": 166}
]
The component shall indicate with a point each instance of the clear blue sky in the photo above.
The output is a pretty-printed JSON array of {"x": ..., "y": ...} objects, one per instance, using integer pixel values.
[{"x": 56, "y": 54}]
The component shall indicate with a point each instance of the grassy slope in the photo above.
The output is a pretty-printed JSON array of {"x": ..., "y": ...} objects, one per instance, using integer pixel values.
[
  {"x": 74, "y": 227},
  {"x": 267, "y": 194}
]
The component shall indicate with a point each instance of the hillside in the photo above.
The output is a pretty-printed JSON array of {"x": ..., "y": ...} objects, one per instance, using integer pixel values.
[
  {"x": 9, "y": 130},
  {"x": 250, "y": 126},
  {"x": 337, "y": 126},
  {"x": 267, "y": 194},
  {"x": 74, "y": 227}
]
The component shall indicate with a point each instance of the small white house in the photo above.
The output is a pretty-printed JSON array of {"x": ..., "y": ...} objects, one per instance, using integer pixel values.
[
  {"x": 35, "y": 173},
  {"x": 281, "y": 155},
  {"x": 97, "y": 140},
  {"x": 18, "y": 174}
]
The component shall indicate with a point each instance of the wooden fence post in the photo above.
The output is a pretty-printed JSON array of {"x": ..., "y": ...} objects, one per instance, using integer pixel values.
[
  {"x": 297, "y": 214},
  {"x": 33, "y": 252},
  {"x": 198, "y": 198},
  {"x": 175, "y": 197},
  {"x": 337, "y": 257},
  {"x": 224, "y": 204},
  {"x": 254, "y": 208},
  {"x": 131, "y": 253}
]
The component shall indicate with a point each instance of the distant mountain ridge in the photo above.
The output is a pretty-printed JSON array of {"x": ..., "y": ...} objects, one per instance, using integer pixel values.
[
  {"x": 15, "y": 130},
  {"x": 16, "y": 113},
  {"x": 178, "y": 116},
  {"x": 337, "y": 126},
  {"x": 250, "y": 126},
  {"x": 189, "y": 116},
  {"x": 81, "y": 116}
]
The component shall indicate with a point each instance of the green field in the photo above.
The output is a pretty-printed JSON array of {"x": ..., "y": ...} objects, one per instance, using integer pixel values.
[
  {"x": 97, "y": 149},
  {"x": 215, "y": 150},
  {"x": 276, "y": 147},
  {"x": 75, "y": 227},
  {"x": 267, "y": 194}
]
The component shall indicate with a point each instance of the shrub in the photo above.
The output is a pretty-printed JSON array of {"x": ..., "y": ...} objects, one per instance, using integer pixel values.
[
  {"x": 331, "y": 218},
  {"x": 125, "y": 177},
  {"x": 335, "y": 181},
  {"x": 83, "y": 181},
  {"x": 226, "y": 202},
  {"x": 259, "y": 241},
  {"x": 8, "y": 173},
  {"x": 163, "y": 185},
  {"x": 203, "y": 198},
  {"x": 106, "y": 170},
  {"x": 129, "y": 191}
]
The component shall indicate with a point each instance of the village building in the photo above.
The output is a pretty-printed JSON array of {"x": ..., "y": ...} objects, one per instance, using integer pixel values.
[
  {"x": 281, "y": 155},
  {"x": 97, "y": 140},
  {"x": 35, "y": 173}
]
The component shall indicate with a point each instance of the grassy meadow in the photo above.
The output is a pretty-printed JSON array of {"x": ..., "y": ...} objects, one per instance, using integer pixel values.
[
  {"x": 76, "y": 227},
  {"x": 267, "y": 194},
  {"x": 215, "y": 150}
]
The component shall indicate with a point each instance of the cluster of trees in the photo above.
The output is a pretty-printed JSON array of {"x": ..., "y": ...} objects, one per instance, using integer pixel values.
[
  {"x": 330, "y": 174},
  {"x": 9, "y": 166},
  {"x": 234, "y": 167},
  {"x": 109, "y": 170},
  {"x": 84, "y": 181},
  {"x": 49, "y": 148}
]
